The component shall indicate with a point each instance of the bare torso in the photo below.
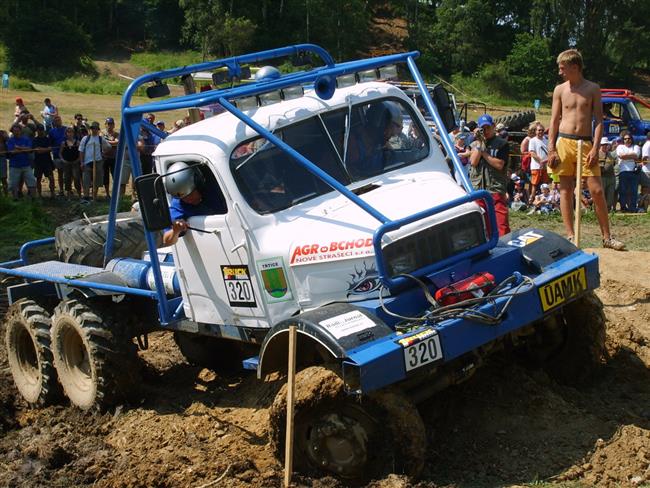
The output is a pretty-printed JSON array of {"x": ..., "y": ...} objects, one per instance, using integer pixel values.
[{"x": 577, "y": 107}]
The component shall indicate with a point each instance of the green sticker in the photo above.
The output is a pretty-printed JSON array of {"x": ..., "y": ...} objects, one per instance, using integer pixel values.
[{"x": 274, "y": 278}]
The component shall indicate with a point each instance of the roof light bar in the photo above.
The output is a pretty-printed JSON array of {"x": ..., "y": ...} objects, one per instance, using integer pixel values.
[{"x": 292, "y": 92}]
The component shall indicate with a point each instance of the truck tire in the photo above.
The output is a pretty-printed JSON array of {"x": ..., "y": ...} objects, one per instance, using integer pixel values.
[
  {"x": 29, "y": 353},
  {"x": 341, "y": 435},
  {"x": 517, "y": 121},
  {"x": 583, "y": 350},
  {"x": 97, "y": 366},
  {"x": 82, "y": 241},
  {"x": 223, "y": 356},
  {"x": 570, "y": 345}
]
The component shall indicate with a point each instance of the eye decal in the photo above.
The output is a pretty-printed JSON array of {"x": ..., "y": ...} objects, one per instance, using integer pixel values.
[{"x": 364, "y": 280}]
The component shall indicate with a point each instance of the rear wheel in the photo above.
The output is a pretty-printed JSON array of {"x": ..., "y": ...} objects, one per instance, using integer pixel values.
[
  {"x": 354, "y": 439},
  {"x": 96, "y": 365},
  {"x": 29, "y": 353}
]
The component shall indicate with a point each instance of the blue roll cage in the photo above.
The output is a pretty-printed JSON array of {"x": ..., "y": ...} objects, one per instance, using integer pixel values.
[{"x": 170, "y": 309}]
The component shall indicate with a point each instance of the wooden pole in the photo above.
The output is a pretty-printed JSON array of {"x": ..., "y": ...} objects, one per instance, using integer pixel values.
[
  {"x": 189, "y": 88},
  {"x": 291, "y": 396},
  {"x": 578, "y": 197}
]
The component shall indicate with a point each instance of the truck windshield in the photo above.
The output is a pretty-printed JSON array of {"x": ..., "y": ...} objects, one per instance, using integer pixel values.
[{"x": 350, "y": 144}]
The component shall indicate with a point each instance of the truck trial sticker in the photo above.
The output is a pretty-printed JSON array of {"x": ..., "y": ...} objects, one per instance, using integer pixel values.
[
  {"x": 274, "y": 278},
  {"x": 347, "y": 324},
  {"x": 565, "y": 287},
  {"x": 239, "y": 288},
  {"x": 331, "y": 251},
  {"x": 525, "y": 239}
]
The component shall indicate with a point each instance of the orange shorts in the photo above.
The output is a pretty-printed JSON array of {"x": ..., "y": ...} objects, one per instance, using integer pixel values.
[
  {"x": 567, "y": 151},
  {"x": 538, "y": 176}
]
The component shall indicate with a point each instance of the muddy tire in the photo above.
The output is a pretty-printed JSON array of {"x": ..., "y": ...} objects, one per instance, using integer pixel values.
[
  {"x": 96, "y": 365},
  {"x": 341, "y": 435},
  {"x": 583, "y": 349},
  {"x": 29, "y": 353},
  {"x": 223, "y": 356},
  {"x": 82, "y": 241}
]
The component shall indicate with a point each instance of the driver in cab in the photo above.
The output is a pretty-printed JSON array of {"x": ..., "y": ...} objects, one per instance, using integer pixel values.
[{"x": 190, "y": 198}]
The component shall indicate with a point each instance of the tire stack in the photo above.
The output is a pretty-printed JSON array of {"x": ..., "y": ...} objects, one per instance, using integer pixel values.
[{"x": 516, "y": 121}]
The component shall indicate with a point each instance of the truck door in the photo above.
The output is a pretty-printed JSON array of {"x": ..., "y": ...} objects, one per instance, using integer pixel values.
[{"x": 218, "y": 282}]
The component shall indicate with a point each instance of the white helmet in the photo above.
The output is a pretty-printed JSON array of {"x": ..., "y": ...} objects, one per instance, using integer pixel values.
[{"x": 182, "y": 182}]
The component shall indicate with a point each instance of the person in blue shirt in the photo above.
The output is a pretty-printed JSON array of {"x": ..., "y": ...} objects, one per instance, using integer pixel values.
[
  {"x": 20, "y": 168},
  {"x": 57, "y": 135},
  {"x": 191, "y": 198}
]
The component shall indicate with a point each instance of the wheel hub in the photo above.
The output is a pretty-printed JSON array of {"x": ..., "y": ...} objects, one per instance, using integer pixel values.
[{"x": 338, "y": 444}]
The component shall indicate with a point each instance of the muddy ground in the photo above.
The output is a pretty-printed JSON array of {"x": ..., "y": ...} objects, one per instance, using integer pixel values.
[{"x": 507, "y": 426}]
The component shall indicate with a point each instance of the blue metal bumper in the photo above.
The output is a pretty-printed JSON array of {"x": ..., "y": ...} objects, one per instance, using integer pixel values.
[{"x": 382, "y": 362}]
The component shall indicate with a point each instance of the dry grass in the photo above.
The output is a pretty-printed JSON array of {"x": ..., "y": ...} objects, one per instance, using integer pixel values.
[{"x": 93, "y": 107}]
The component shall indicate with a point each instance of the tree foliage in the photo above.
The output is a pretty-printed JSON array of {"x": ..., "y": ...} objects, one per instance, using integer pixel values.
[
  {"x": 508, "y": 44},
  {"x": 63, "y": 48}
]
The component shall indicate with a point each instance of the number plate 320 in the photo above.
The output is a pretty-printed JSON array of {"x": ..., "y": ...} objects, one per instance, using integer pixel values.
[{"x": 423, "y": 351}]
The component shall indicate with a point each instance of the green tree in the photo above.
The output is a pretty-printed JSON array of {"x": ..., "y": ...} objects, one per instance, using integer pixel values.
[
  {"x": 213, "y": 29},
  {"x": 27, "y": 55},
  {"x": 529, "y": 66}
]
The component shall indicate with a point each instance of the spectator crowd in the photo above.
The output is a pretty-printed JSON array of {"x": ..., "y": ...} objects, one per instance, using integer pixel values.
[
  {"x": 75, "y": 161},
  {"x": 532, "y": 186}
]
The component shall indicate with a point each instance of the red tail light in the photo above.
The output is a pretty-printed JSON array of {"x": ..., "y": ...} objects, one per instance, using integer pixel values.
[{"x": 474, "y": 286}]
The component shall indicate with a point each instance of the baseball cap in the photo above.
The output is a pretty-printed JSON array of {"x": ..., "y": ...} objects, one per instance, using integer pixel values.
[
  {"x": 544, "y": 186},
  {"x": 94, "y": 125},
  {"x": 110, "y": 120},
  {"x": 514, "y": 177},
  {"x": 485, "y": 119},
  {"x": 604, "y": 140},
  {"x": 160, "y": 122}
]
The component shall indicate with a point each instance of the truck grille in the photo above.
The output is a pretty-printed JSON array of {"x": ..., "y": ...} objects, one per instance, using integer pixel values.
[{"x": 434, "y": 244}]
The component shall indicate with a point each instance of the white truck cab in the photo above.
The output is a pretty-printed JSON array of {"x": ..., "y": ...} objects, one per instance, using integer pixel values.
[{"x": 287, "y": 242}]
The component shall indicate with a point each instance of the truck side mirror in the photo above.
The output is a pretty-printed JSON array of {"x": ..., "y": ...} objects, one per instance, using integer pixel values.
[
  {"x": 443, "y": 104},
  {"x": 153, "y": 202}
]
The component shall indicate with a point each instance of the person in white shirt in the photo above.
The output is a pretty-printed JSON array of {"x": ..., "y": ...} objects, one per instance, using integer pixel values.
[
  {"x": 49, "y": 112},
  {"x": 627, "y": 155},
  {"x": 91, "y": 148},
  {"x": 644, "y": 176},
  {"x": 538, "y": 149}
]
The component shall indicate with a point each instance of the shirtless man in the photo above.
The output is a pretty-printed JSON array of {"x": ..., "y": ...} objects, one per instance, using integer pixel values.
[{"x": 577, "y": 102}]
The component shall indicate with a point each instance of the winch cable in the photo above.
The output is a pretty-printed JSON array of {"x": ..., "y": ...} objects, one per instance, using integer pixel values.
[
  {"x": 452, "y": 311},
  {"x": 455, "y": 311},
  {"x": 425, "y": 290}
]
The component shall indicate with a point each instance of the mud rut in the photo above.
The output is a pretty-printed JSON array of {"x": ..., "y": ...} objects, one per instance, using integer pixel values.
[{"x": 507, "y": 426}]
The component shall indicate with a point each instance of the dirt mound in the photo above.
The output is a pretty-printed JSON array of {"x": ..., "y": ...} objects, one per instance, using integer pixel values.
[{"x": 507, "y": 426}]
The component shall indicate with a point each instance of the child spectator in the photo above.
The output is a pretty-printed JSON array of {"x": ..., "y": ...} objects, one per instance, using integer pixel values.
[
  {"x": 543, "y": 202},
  {"x": 69, "y": 152},
  {"x": 537, "y": 146},
  {"x": 43, "y": 165},
  {"x": 20, "y": 109},
  {"x": 519, "y": 197},
  {"x": 49, "y": 112}
]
